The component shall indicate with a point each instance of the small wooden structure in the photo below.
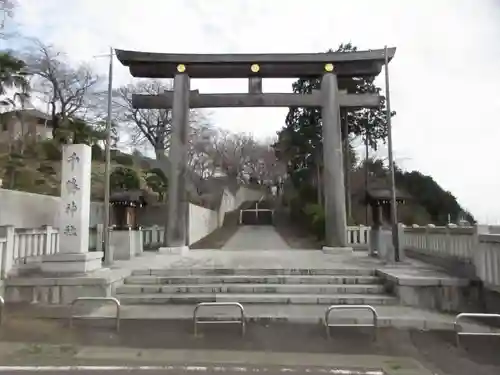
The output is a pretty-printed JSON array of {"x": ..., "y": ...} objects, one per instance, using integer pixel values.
[
  {"x": 378, "y": 197},
  {"x": 126, "y": 204}
]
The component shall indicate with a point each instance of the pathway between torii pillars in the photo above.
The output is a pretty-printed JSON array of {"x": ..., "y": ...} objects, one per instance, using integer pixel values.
[{"x": 333, "y": 175}]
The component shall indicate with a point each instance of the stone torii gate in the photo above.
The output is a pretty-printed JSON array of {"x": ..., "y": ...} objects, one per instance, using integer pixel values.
[{"x": 336, "y": 70}]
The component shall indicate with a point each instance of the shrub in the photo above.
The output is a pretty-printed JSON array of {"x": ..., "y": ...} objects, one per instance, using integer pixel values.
[
  {"x": 51, "y": 150},
  {"x": 46, "y": 169},
  {"x": 97, "y": 153},
  {"x": 155, "y": 179},
  {"x": 123, "y": 159},
  {"x": 124, "y": 178},
  {"x": 316, "y": 219}
]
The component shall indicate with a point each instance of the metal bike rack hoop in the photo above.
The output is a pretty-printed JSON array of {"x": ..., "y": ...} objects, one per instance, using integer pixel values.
[
  {"x": 458, "y": 333},
  {"x": 350, "y": 307},
  {"x": 103, "y": 299},
  {"x": 218, "y": 304}
]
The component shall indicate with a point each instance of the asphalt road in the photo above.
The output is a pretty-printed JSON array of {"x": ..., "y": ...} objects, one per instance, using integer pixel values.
[{"x": 184, "y": 370}]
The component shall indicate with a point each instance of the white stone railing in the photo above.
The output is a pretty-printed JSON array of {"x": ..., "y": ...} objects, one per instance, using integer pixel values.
[
  {"x": 358, "y": 236},
  {"x": 469, "y": 245},
  {"x": 152, "y": 237},
  {"x": 487, "y": 260},
  {"x": 3, "y": 253},
  {"x": 22, "y": 248},
  {"x": 94, "y": 238},
  {"x": 451, "y": 240},
  {"x": 30, "y": 244}
]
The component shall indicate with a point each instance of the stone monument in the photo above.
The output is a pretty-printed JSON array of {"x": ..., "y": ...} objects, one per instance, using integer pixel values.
[{"x": 74, "y": 216}]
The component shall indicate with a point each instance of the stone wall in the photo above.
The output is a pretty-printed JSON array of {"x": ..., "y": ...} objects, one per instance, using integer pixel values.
[
  {"x": 202, "y": 222},
  {"x": 247, "y": 194},
  {"x": 494, "y": 229},
  {"x": 29, "y": 210}
]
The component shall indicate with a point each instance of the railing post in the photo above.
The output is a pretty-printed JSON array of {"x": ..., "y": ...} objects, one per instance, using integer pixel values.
[
  {"x": 139, "y": 241},
  {"x": 428, "y": 228},
  {"x": 448, "y": 241},
  {"x": 8, "y": 254},
  {"x": 99, "y": 237},
  {"x": 156, "y": 235},
  {"x": 479, "y": 254},
  {"x": 48, "y": 240},
  {"x": 401, "y": 241},
  {"x": 366, "y": 236}
]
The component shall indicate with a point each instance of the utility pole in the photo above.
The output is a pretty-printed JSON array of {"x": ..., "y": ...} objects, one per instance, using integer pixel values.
[
  {"x": 347, "y": 163},
  {"x": 108, "y": 252},
  {"x": 394, "y": 211},
  {"x": 367, "y": 173}
]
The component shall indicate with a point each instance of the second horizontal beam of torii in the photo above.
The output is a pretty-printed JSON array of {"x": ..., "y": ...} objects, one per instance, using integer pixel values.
[{"x": 197, "y": 100}]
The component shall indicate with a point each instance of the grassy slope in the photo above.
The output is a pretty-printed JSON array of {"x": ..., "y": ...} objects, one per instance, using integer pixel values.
[{"x": 31, "y": 178}]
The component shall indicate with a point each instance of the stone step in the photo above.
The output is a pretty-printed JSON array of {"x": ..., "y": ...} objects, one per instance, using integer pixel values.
[
  {"x": 252, "y": 288},
  {"x": 254, "y": 298},
  {"x": 232, "y": 279},
  {"x": 254, "y": 272}
]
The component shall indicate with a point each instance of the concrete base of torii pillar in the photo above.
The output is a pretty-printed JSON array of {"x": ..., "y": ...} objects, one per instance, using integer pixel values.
[
  {"x": 174, "y": 250},
  {"x": 336, "y": 250}
]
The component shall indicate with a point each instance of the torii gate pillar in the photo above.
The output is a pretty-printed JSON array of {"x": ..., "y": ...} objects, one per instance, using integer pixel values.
[
  {"x": 333, "y": 171},
  {"x": 177, "y": 218}
]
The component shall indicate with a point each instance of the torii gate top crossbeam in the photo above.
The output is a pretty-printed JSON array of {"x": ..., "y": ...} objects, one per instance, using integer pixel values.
[{"x": 306, "y": 65}]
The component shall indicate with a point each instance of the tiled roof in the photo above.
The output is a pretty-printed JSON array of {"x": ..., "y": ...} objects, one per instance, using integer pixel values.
[{"x": 31, "y": 113}]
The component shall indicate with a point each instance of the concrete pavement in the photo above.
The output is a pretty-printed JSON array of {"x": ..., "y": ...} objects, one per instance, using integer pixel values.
[
  {"x": 160, "y": 342},
  {"x": 259, "y": 237},
  {"x": 28, "y": 359},
  {"x": 53, "y": 359},
  {"x": 182, "y": 370}
]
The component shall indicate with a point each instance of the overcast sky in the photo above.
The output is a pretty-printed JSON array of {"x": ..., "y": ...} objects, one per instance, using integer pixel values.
[{"x": 445, "y": 77}]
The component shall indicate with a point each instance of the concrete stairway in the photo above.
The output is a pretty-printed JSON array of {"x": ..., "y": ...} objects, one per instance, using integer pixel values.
[{"x": 254, "y": 286}]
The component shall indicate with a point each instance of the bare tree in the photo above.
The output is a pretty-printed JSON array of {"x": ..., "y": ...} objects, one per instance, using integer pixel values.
[
  {"x": 231, "y": 151},
  {"x": 69, "y": 90},
  {"x": 150, "y": 126},
  {"x": 262, "y": 164},
  {"x": 241, "y": 157},
  {"x": 144, "y": 126},
  {"x": 202, "y": 140},
  {"x": 7, "y": 8}
]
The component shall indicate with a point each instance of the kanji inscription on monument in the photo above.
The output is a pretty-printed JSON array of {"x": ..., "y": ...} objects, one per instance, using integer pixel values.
[
  {"x": 75, "y": 199},
  {"x": 71, "y": 208},
  {"x": 70, "y": 230},
  {"x": 73, "y": 159},
  {"x": 72, "y": 186}
]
